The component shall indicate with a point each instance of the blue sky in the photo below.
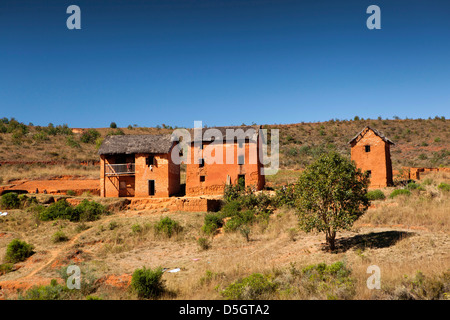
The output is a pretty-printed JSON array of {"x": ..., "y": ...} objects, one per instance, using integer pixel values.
[{"x": 222, "y": 62}]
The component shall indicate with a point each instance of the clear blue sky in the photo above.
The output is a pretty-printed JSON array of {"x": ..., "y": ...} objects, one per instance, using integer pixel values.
[{"x": 222, "y": 62}]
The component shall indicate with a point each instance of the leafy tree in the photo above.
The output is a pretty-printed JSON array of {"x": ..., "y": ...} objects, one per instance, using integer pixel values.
[
  {"x": 113, "y": 125},
  {"x": 331, "y": 194}
]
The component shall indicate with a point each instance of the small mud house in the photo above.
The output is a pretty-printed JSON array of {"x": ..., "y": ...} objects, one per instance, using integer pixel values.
[
  {"x": 371, "y": 152},
  {"x": 223, "y": 155},
  {"x": 138, "y": 166}
]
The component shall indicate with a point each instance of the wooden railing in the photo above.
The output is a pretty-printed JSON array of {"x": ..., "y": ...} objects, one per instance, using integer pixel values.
[{"x": 119, "y": 169}]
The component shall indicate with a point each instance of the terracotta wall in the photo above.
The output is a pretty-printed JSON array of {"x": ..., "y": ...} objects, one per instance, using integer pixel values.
[
  {"x": 377, "y": 160},
  {"x": 216, "y": 174},
  {"x": 165, "y": 174}
]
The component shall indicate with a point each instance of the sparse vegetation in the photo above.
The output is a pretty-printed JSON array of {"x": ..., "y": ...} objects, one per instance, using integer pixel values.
[{"x": 375, "y": 195}]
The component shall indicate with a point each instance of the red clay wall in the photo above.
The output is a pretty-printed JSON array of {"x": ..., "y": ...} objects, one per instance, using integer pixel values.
[
  {"x": 377, "y": 160},
  {"x": 216, "y": 174}
]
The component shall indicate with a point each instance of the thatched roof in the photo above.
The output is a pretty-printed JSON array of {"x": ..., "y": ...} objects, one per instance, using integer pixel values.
[
  {"x": 250, "y": 132},
  {"x": 131, "y": 144},
  {"x": 378, "y": 133}
]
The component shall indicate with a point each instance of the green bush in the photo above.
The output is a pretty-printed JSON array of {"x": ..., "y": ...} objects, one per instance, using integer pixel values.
[
  {"x": 444, "y": 186},
  {"x": 213, "y": 221},
  {"x": 5, "y": 268},
  {"x": 147, "y": 283},
  {"x": 239, "y": 219},
  {"x": 71, "y": 193},
  {"x": 376, "y": 195},
  {"x": 422, "y": 287},
  {"x": 85, "y": 211},
  {"x": 10, "y": 201},
  {"x": 89, "y": 211},
  {"x": 136, "y": 228},
  {"x": 168, "y": 227},
  {"x": 332, "y": 281},
  {"x": 60, "y": 209},
  {"x": 18, "y": 251},
  {"x": 59, "y": 236},
  {"x": 412, "y": 186},
  {"x": 90, "y": 136},
  {"x": 284, "y": 196},
  {"x": 54, "y": 291},
  {"x": 398, "y": 192},
  {"x": 203, "y": 243},
  {"x": 254, "y": 287}
]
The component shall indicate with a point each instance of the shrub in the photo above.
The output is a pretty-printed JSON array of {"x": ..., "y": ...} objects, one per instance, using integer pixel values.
[
  {"x": 136, "y": 228},
  {"x": 412, "y": 186},
  {"x": 18, "y": 250},
  {"x": 5, "y": 268},
  {"x": 239, "y": 219},
  {"x": 147, "y": 283},
  {"x": 54, "y": 291},
  {"x": 398, "y": 192},
  {"x": 284, "y": 196},
  {"x": 88, "y": 211},
  {"x": 70, "y": 141},
  {"x": 10, "y": 201},
  {"x": 333, "y": 280},
  {"x": 212, "y": 222},
  {"x": 444, "y": 186},
  {"x": 113, "y": 225},
  {"x": 60, "y": 209},
  {"x": 90, "y": 136},
  {"x": 113, "y": 125},
  {"x": 70, "y": 193},
  {"x": 203, "y": 243},
  {"x": 421, "y": 287},
  {"x": 245, "y": 232},
  {"x": 59, "y": 236},
  {"x": 254, "y": 287},
  {"x": 168, "y": 227},
  {"x": 375, "y": 195}
]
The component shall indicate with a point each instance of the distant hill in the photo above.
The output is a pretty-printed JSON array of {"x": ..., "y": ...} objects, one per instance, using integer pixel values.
[{"x": 419, "y": 142}]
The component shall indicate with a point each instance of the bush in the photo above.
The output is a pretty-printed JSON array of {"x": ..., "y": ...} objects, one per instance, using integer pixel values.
[
  {"x": 136, "y": 228},
  {"x": 54, "y": 291},
  {"x": 90, "y": 136},
  {"x": 18, "y": 251},
  {"x": 59, "y": 236},
  {"x": 239, "y": 219},
  {"x": 213, "y": 221},
  {"x": 254, "y": 287},
  {"x": 444, "y": 186},
  {"x": 398, "y": 192},
  {"x": 147, "y": 283},
  {"x": 168, "y": 227},
  {"x": 203, "y": 243},
  {"x": 333, "y": 281},
  {"x": 412, "y": 186},
  {"x": 88, "y": 211},
  {"x": 375, "y": 195},
  {"x": 5, "y": 268},
  {"x": 85, "y": 211},
  {"x": 284, "y": 196},
  {"x": 60, "y": 209},
  {"x": 71, "y": 193},
  {"x": 113, "y": 125},
  {"x": 10, "y": 201}
]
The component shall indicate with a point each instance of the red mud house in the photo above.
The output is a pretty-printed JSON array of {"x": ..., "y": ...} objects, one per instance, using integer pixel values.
[
  {"x": 371, "y": 152},
  {"x": 138, "y": 166},
  {"x": 223, "y": 155}
]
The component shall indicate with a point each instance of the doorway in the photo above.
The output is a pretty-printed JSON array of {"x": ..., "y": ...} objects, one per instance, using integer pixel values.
[{"x": 151, "y": 187}]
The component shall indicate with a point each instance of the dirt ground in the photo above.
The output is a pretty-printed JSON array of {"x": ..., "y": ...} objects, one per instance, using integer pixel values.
[{"x": 56, "y": 186}]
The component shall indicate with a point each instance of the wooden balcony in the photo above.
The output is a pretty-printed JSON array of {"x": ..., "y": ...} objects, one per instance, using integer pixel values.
[{"x": 119, "y": 169}]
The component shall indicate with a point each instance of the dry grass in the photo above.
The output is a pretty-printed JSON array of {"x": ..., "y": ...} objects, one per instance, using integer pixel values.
[
  {"x": 10, "y": 172},
  {"x": 400, "y": 235}
]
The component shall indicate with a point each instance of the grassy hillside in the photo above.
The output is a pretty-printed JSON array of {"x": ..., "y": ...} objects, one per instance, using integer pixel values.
[{"x": 419, "y": 142}]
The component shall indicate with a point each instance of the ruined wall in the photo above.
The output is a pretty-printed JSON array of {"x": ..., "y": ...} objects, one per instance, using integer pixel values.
[
  {"x": 215, "y": 174},
  {"x": 377, "y": 160}
]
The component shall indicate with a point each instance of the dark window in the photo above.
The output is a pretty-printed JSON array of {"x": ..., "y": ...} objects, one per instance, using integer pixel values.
[
  {"x": 201, "y": 163},
  {"x": 150, "y": 160},
  {"x": 369, "y": 173},
  {"x": 367, "y": 148},
  {"x": 180, "y": 153},
  {"x": 202, "y": 178}
]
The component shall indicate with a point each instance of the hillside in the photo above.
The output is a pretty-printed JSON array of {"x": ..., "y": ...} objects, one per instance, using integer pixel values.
[{"x": 419, "y": 143}]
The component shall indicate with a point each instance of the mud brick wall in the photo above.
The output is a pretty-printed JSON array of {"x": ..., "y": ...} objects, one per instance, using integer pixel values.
[
  {"x": 215, "y": 174},
  {"x": 378, "y": 160}
]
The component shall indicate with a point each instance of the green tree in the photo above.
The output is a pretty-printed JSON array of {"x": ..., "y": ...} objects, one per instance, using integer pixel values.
[{"x": 331, "y": 194}]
